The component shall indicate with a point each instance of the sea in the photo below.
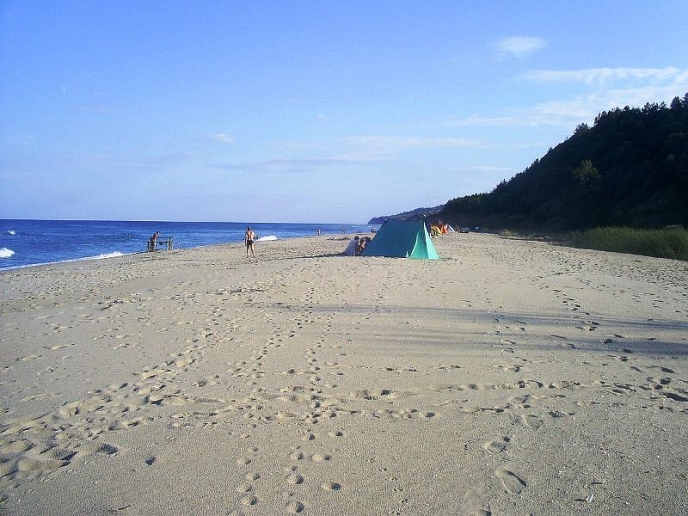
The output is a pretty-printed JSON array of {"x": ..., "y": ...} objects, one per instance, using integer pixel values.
[{"x": 24, "y": 243}]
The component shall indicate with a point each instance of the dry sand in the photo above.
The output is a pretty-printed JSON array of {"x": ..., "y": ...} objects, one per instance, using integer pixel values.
[{"x": 510, "y": 377}]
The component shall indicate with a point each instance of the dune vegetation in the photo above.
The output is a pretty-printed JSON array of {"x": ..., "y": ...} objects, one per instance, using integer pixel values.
[{"x": 669, "y": 242}]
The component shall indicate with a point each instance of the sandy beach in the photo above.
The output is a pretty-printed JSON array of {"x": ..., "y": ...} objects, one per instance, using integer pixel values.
[{"x": 511, "y": 377}]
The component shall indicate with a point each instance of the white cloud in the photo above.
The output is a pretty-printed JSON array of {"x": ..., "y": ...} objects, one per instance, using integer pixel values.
[
  {"x": 606, "y": 76},
  {"x": 477, "y": 121},
  {"x": 482, "y": 169},
  {"x": 605, "y": 88},
  {"x": 634, "y": 87},
  {"x": 222, "y": 138},
  {"x": 298, "y": 165},
  {"x": 519, "y": 47},
  {"x": 361, "y": 149},
  {"x": 400, "y": 143}
]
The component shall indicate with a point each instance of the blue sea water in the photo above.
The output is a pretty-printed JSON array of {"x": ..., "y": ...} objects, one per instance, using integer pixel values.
[{"x": 32, "y": 242}]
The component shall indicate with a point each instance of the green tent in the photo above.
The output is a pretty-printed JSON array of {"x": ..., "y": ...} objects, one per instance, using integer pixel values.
[{"x": 403, "y": 240}]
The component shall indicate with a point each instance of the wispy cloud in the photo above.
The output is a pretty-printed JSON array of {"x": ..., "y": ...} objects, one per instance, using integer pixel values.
[
  {"x": 296, "y": 165},
  {"x": 395, "y": 144},
  {"x": 603, "y": 89},
  {"x": 606, "y": 76},
  {"x": 302, "y": 164},
  {"x": 519, "y": 47},
  {"x": 222, "y": 138},
  {"x": 610, "y": 88},
  {"x": 552, "y": 114},
  {"x": 358, "y": 150},
  {"x": 478, "y": 121},
  {"x": 481, "y": 169}
]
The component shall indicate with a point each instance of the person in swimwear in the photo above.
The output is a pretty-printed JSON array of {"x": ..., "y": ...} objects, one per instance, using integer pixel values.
[
  {"x": 153, "y": 241},
  {"x": 362, "y": 244},
  {"x": 249, "y": 239}
]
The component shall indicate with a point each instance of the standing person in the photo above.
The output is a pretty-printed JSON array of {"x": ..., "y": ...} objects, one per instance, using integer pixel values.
[
  {"x": 153, "y": 241},
  {"x": 249, "y": 238}
]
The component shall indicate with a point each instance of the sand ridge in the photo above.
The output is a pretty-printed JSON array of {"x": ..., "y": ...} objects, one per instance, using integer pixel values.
[{"x": 510, "y": 377}]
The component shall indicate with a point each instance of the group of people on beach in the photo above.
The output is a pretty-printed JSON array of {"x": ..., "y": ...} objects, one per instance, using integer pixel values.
[
  {"x": 249, "y": 239},
  {"x": 356, "y": 246}
]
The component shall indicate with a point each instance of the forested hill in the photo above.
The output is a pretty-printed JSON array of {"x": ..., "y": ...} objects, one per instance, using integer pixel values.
[{"x": 629, "y": 169}]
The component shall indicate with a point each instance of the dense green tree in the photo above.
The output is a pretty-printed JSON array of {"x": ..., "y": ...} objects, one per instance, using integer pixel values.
[
  {"x": 630, "y": 168},
  {"x": 586, "y": 173}
]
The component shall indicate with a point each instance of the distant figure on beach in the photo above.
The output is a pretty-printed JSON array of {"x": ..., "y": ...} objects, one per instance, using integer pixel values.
[
  {"x": 362, "y": 243},
  {"x": 249, "y": 239},
  {"x": 351, "y": 248},
  {"x": 153, "y": 241}
]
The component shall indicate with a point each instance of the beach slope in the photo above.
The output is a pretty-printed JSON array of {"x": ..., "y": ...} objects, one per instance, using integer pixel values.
[{"x": 508, "y": 377}]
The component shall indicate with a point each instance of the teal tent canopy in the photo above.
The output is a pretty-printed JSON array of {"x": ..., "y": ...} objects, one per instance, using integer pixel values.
[{"x": 402, "y": 240}]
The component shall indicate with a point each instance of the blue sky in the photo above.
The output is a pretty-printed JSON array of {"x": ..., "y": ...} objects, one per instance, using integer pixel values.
[{"x": 307, "y": 111}]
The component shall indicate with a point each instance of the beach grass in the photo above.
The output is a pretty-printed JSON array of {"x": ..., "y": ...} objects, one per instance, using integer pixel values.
[{"x": 669, "y": 243}]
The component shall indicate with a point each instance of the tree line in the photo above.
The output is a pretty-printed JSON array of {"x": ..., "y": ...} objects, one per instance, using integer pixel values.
[{"x": 629, "y": 169}]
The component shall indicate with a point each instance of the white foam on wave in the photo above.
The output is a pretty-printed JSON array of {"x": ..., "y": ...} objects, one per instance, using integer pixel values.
[
  {"x": 267, "y": 238},
  {"x": 11, "y": 232},
  {"x": 104, "y": 255},
  {"x": 6, "y": 253},
  {"x": 97, "y": 257}
]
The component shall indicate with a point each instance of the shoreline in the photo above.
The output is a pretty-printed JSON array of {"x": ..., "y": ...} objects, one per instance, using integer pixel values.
[
  {"x": 508, "y": 377},
  {"x": 47, "y": 242},
  {"x": 118, "y": 254}
]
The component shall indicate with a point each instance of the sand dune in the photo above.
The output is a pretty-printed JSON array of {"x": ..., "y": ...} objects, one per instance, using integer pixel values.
[{"x": 510, "y": 377}]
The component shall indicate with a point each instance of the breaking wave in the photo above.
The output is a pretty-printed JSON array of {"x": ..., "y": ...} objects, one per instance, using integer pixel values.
[{"x": 102, "y": 256}]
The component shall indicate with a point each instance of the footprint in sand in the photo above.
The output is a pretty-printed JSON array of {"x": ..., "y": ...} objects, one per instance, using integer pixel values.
[
  {"x": 519, "y": 402},
  {"x": 532, "y": 421},
  {"x": 295, "y": 507},
  {"x": 33, "y": 467},
  {"x": 331, "y": 486},
  {"x": 29, "y": 357},
  {"x": 249, "y": 500},
  {"x": 59, "y": 346},
  {"x": 674, "y": 396},
  {"x": 474, "y": 504},
  {"x": 98, "y": 447},
  {"x": 496, "y": 446},
  {"x": 244, "y": 488},
  {"x": 511, "y": 482},
  {"x": 294, "y": 479}
]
